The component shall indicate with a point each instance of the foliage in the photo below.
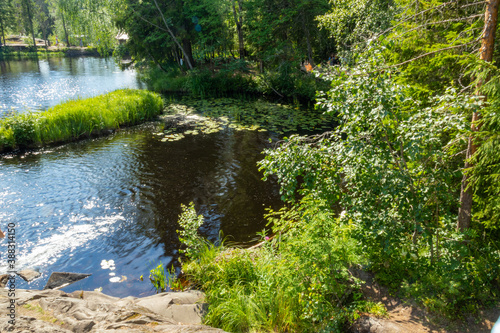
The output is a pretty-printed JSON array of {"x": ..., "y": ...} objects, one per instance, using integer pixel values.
[
  {"x": 232, "y": 79},
  {"x": 158, "y": 278},
  {"x": 283, "y": 285},
  {"x": 431, "y": 43},
  {"x": 282, "y": 31},
  {"x": 79, "y": 118},
  {"x": 7, "y": 18},
  {"x": 391, "y": 166},
  {"x": 6, "y": 53},
  {"x": 287, "y": 80},
  {"x": 164, "y": 281},
  {"x": 88, "y": 20},
  {"x": 188, "y": 234},
  {"x": 204, "y": 83},
  {"x": 485, "y": 173},
  {"x": 254, "y": 114},
  {"x": 161, "y": 81},
  {"x": 353, "y": 23}
]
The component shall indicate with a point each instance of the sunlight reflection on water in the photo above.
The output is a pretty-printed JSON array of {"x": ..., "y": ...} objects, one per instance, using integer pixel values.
[{"x": 38, "y": 85}]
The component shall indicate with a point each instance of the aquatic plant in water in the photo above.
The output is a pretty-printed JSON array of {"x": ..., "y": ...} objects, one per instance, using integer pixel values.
[{"x": 228, "y": 113}]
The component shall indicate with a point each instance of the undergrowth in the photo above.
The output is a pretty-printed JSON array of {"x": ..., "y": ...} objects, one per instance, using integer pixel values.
[
  {"x": 296, "y": 281},
  {"x": 235, "y": 78}
]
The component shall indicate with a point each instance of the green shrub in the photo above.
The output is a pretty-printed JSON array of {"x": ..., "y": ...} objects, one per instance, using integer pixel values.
[
  {"x": 289, "y": 81},
  {"x": 296, "y": 282},
  {"x": 391, "y": 165}
]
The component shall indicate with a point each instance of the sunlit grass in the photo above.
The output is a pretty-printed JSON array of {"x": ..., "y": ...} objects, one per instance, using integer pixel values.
[
  {"x": 77, "y": 119},
  {"x": 294, "y": 281}
]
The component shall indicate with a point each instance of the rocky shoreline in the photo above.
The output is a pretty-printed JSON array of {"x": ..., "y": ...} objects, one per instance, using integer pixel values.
[{"x": 54, "y": 311}]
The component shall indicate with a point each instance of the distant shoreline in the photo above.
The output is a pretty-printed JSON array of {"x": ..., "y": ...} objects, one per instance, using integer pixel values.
[{"x": 19, "y": 50}]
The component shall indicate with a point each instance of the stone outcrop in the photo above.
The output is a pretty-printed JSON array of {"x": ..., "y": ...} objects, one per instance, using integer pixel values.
[
  {"x": 90, "y": 311},
  {"x": 29, "y": 274},
  {"x": 62, "y": 279}
]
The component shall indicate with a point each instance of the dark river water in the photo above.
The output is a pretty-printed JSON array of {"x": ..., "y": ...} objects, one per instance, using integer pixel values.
[{"x": 118, "y": 198}]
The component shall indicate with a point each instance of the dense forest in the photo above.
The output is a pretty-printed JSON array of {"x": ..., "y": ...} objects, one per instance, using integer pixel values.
[{"x": 406, "y": 186}]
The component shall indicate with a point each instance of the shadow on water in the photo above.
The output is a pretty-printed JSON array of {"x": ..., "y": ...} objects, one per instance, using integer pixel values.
[{"x": 119, "y": 198}]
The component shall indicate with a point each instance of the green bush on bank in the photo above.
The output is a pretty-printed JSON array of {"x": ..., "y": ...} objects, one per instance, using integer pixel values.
[
  {"x": 79, "y": 118},
  {"x": 234, "y": 78},
  {"x": 297, "y": 281},
  {"x": 201, "y": 82}
]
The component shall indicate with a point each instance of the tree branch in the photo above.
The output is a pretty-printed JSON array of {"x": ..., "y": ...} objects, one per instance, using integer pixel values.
[
  {"x": 422, "y": 12},
  {"x": 440, "y": 22},
  {"x": 431, "y": 53},
  {"x": 173, "y": 36}
]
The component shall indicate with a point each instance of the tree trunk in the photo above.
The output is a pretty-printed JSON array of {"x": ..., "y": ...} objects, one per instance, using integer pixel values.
[
  {"x": 3, "y": 32},
  {"x": 30, "y": 18},
  {"x": 44, "y": 31},
  {"x": 308, "y": 40},
  {"x": 186, "y": 44},
  {"x": 188, "y": 59},
  {"x": 238, "y": 19},
  {"x": 487, "y": 48},
  {"x": 65, "y": 31}
]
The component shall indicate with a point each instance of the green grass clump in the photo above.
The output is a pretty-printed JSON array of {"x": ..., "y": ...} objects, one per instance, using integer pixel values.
[
  {"x": 79, "y": 119},
  {"x": 297, "y": 281}
]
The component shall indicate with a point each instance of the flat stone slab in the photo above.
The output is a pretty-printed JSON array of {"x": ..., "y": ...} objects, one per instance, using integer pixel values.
[
  {"x": 28, "y": 274},
  {"x": 186, "y": 307},
  {"x": 62, "y": 279},
  {"x": 51, "y": 311}
]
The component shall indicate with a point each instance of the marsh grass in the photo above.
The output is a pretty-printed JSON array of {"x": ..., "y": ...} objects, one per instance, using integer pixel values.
[{"x": 77, "y": 119}]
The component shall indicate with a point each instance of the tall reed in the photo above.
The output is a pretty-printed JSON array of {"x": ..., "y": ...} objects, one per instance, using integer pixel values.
[{"x": 77, "y": 119}]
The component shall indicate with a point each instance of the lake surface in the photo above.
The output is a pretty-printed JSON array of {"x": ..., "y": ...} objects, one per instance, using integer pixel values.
[
  {"x": 38, "y": 85},
  {"x": 118, "y": 198}
]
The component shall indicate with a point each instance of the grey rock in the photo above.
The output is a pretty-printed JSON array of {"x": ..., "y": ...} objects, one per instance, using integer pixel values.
[
  {"x": 3, "y": 280},
  {"x": 186, "y": 307},
  {"x": 375, "y": 325},
  {"x": 62, "y": 279},
  {"x": 41, "y": 311},
  {"x": 29, "y": 274}
]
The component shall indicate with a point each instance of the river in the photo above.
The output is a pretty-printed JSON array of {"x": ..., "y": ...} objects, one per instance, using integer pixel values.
[
  {"x": 38, "y": 85},
  {"x": 118, "y": 197}
]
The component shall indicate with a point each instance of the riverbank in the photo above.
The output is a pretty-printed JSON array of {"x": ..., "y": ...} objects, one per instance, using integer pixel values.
[
  {"x": 26, "y": 51},
  {"x": 237, "y": 78},
  {"x": 321, "y": 286},
  {"x": 91, "y": 311},
  {"x": 78, "y": 119}
]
